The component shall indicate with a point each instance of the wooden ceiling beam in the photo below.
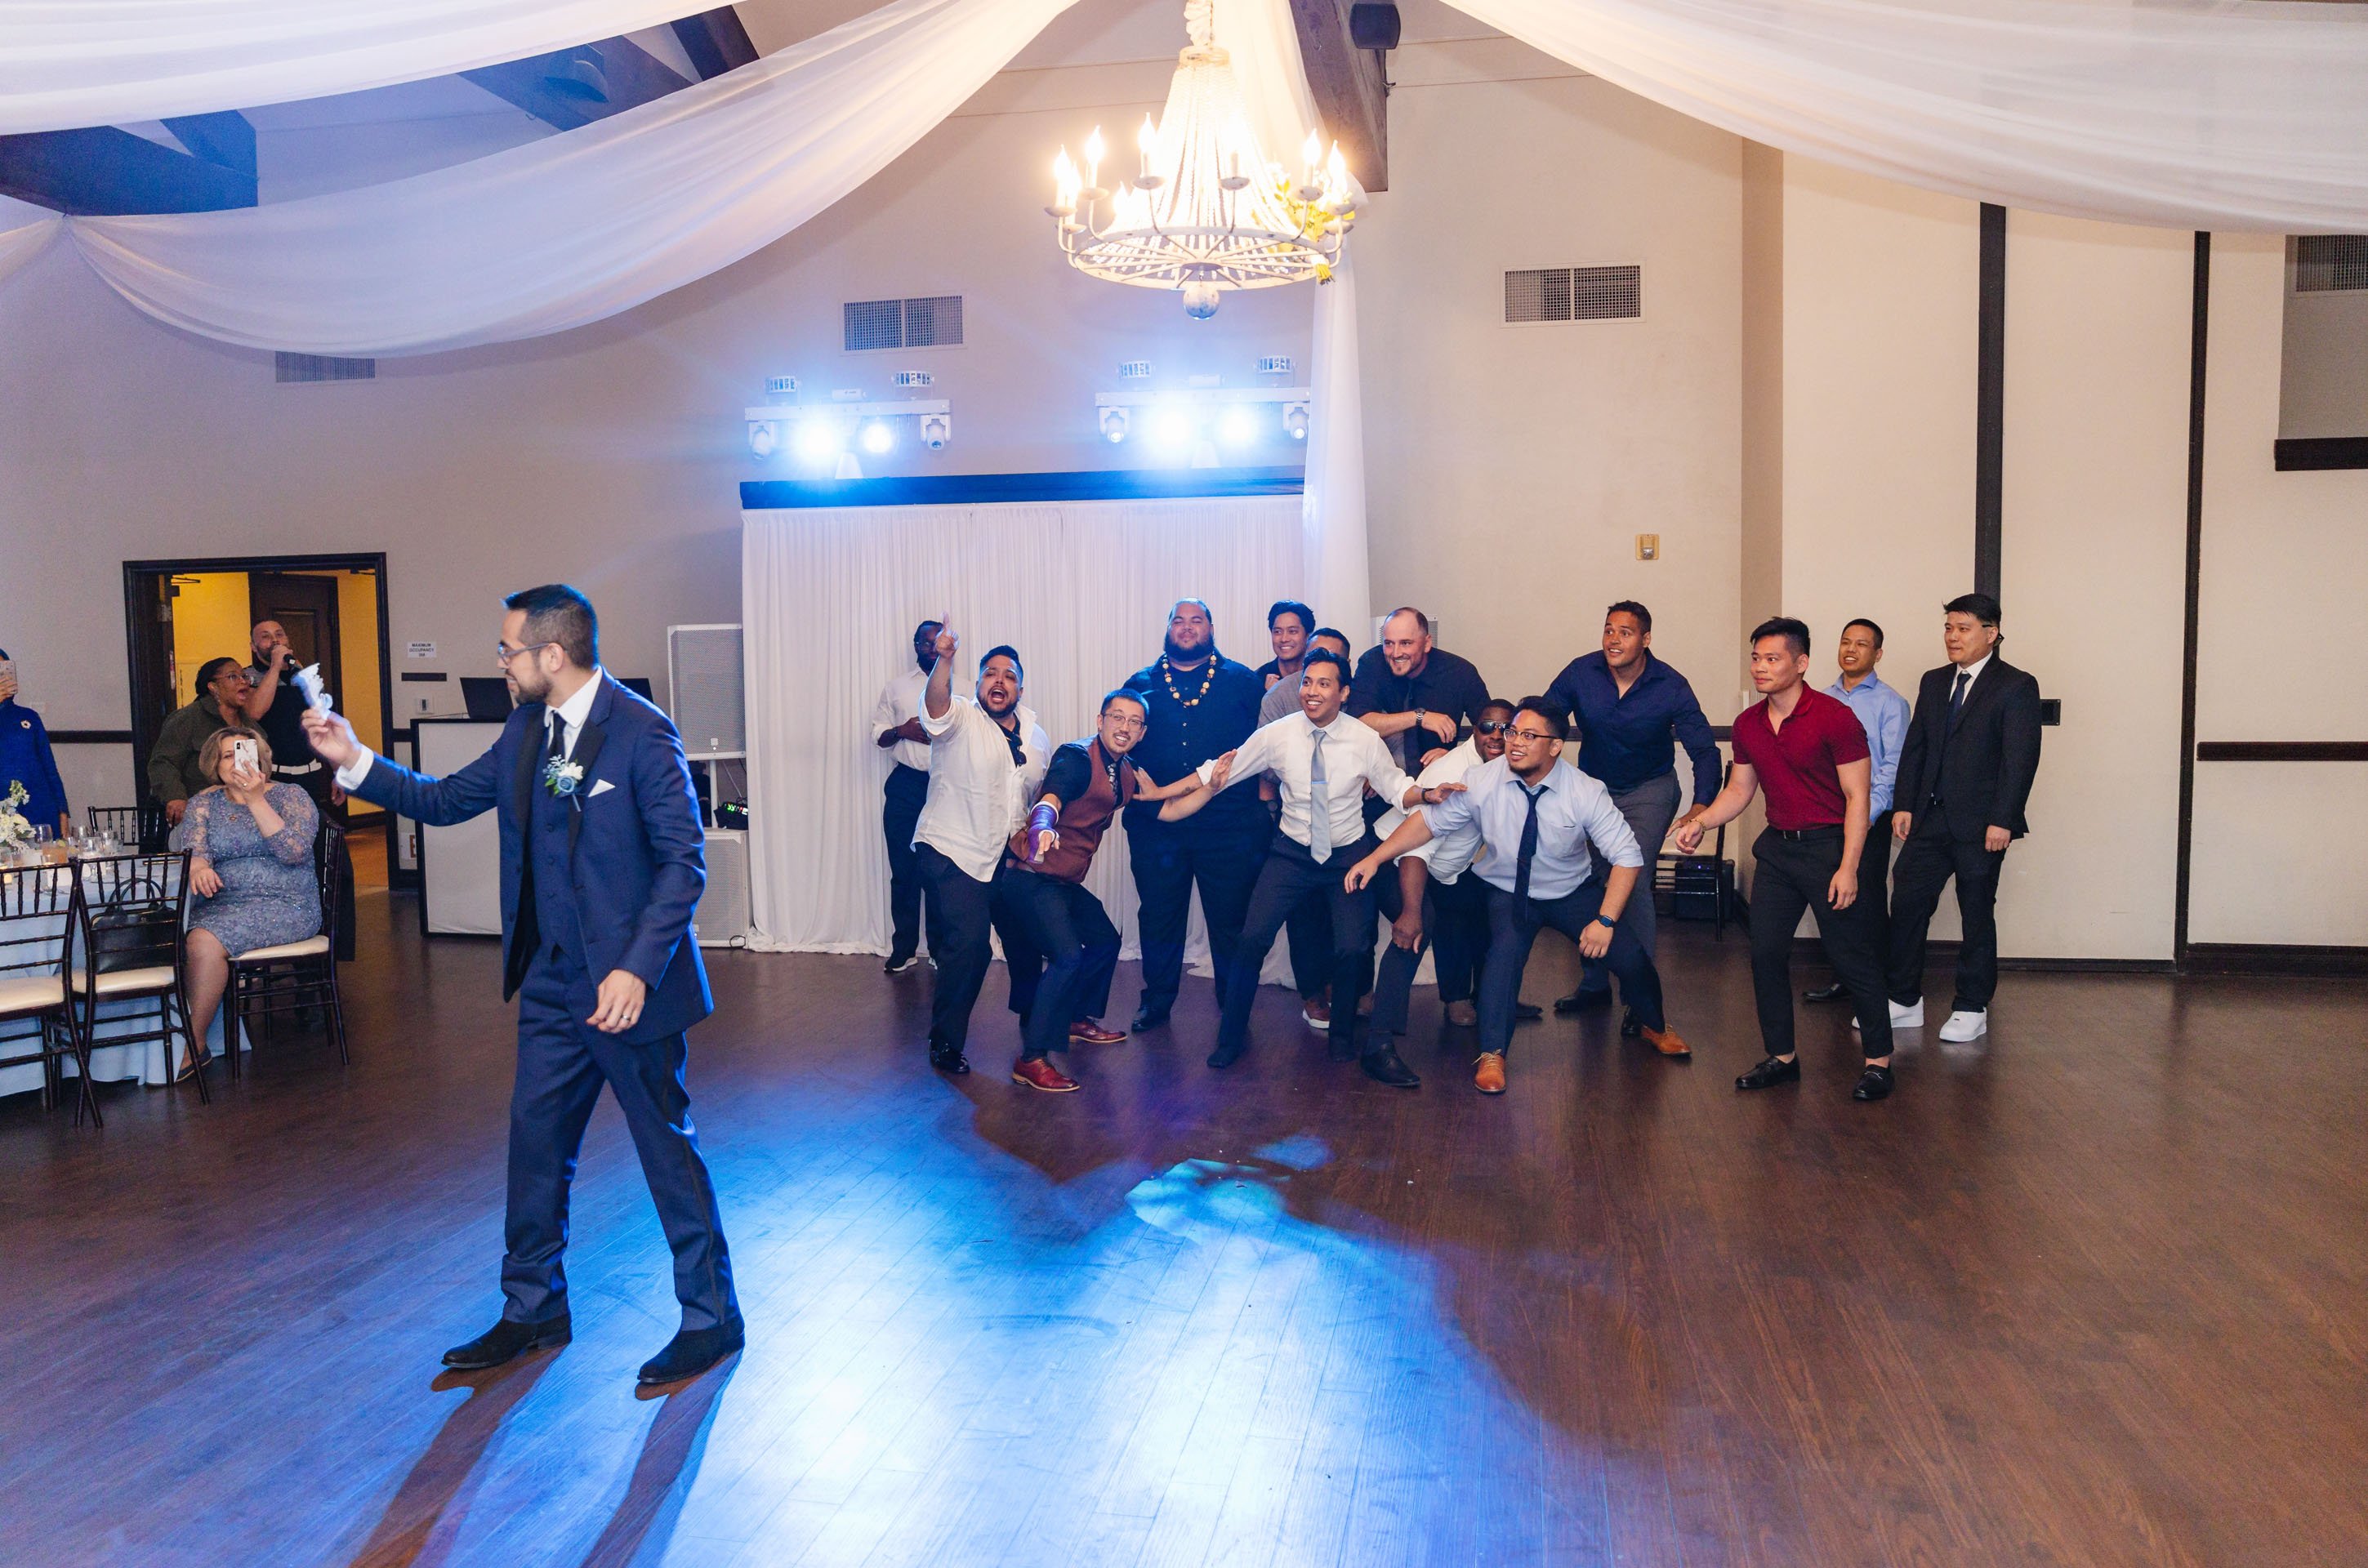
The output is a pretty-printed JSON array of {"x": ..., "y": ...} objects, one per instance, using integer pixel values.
[
  {"x": 102, "y": 172},
  {"x": 575, "y": 86},
  {"x": 1350, "y": 89},
  {"x": 715, "y": 41}
]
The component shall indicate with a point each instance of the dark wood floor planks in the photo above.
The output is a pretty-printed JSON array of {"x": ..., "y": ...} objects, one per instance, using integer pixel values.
[{"x": 2091, "y": 1293}]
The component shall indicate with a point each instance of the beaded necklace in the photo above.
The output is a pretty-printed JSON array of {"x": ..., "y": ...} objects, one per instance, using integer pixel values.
[{"x": 1167, "y": 677}]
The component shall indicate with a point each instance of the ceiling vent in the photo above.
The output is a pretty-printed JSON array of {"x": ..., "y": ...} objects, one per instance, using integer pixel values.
[
  {"x": 932, "y": 323},
  {"x": 287, "y": 366},
  {"x": 1574, "y": 293},
  {"x": 2329, "y": 264}
]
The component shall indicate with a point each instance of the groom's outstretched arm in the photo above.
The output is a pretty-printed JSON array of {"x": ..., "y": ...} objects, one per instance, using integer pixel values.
[
  {"x": 669, "y": 811},
  {"x": 436, "y": 802}
]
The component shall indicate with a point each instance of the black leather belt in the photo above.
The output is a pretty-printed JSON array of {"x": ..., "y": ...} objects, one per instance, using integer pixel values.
[{"x": 1830, "y": 831}]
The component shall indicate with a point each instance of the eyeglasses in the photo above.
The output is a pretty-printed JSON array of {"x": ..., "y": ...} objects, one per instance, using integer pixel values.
[
  {"x": 1125, "y": 720},
  {"x": 504, "y": 652},
  {"x": 1533, "y": 736},
  {"x": 1498, "y": 728}
]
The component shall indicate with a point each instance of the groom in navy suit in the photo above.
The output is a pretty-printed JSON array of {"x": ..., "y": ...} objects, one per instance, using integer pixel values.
[{"x": 602, "y": 866}]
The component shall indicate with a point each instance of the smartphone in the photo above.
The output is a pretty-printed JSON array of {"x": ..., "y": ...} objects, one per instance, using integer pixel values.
[
  {"x": 7, "y": 669},
  {"x": 242, "y": 753}
]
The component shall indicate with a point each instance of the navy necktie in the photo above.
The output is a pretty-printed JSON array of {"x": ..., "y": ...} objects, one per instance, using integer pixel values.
[
  {"x": 1957, "y": 697},
  {"x": 1528, "y": 850}
]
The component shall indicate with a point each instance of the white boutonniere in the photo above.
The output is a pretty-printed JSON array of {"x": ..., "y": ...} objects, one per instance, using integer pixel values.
[{"x": 563, "y": 777}]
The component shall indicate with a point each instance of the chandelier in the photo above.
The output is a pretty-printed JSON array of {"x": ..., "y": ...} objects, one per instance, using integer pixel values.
[{"x": 1205, "y": 212}]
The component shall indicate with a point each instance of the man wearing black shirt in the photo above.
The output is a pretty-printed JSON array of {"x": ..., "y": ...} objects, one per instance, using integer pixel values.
[
  {"x": 1289, "y": 625},
  {"x": 1415, "y": 696},
  {"x": 275, "y": 706},
  {"x": 1200, "y": 705}
]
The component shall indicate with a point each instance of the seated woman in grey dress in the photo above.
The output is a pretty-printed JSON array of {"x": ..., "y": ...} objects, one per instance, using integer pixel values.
[{"x": 250, "y": 843}]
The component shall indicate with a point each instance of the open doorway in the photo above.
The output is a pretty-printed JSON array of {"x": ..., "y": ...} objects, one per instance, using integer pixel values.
[{"x": 182, "y": 613}]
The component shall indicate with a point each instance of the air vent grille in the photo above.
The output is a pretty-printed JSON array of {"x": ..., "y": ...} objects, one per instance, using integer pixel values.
[
  {"x": 2328, "y": 264},
  {"x": 1574, "y": 293},
  {"x": 286, "y": 367},
  {"x": 932, "y": 323}
]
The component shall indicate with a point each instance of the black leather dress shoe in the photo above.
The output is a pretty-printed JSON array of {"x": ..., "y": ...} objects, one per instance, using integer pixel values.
[
  {"x": 1837, "y": 992},
  {"x": 1383, "y": 1066},
  {"x": 948, "y": 1059},
  {"x": 1526, "y": 1011},
  {"x": 506, "y": 1341},
  {"x": 1582, "y": 1001},
  {"x": 1772, "y": 1071},
  {"x": 691, "y": 1352},
  {"x": 1874, "y": 1083},
  {"x": 1227, "y": 1055},
  {"x": 1147, "y": 1019},
  {"x": 1630, "y": 1028}
]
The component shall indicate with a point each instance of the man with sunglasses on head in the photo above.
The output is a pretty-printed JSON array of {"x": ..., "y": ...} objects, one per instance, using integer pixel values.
[{"x": 1541, "y": 822}]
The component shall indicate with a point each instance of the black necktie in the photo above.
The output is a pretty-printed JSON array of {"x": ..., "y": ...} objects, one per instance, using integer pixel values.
[
  {"x": 1957, "y": 698},
  {"x": 1528, "y": 850},
  {"x": 557, "y": 750}
]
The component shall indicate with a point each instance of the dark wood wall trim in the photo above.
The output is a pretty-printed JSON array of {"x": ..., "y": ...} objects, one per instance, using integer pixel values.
[
  {"x": 2198, "y": 340},
  {"x": 90, "y": 737},
  {"x": 1989, "y": 406},
  {"x": 2304, "y": 454},
  {"x": 2282, "y": 751},
  {"x": 2274, "y": 958}
]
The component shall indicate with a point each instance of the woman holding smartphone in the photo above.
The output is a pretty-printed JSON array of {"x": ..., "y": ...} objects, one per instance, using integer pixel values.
[{"x": 250, "y": 843}]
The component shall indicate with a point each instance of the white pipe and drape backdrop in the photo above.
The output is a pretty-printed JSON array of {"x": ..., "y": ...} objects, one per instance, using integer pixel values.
[{"x": 829, "y": 599}]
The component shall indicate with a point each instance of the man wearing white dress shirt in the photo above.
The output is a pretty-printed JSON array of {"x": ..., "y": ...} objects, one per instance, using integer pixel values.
[
  {"x": 896, "y": 730},
  {"x": 1322, "y": 764},
  {"x": 1537, "y": 816},
  {"x": 1883, "y": 714},
  {"x": 986, "y": 767}
]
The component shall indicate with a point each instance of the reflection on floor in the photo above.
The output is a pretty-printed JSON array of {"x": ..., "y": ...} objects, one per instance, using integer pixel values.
[{"x": 2091, "y": 1294}]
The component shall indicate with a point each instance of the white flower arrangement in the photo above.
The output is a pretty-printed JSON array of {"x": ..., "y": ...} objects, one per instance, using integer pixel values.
[{"x": 13, "y": 828}]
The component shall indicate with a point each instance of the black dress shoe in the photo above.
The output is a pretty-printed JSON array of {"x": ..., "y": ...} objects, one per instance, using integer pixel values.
[
  {"x": 1772, "y": 1071},
  {"x": 1630, "y": 1028},
  {"x": 1144, "y": 1018},
  {"x": 506, "y": 1341},
  {"x": 948, "y": 1059},
  {"x": 1526, "y": 1011},
  {"x": 1227, "y": 1055},
  {"x": 1874, "y": 1083},
  {"x": 1837, "y": 992},
  {"x": 691, "y": 1352},
  {"x": 1383, "y": 1066},
  {"x": 1581, "y": 1000},
  {"x": 899, "y": 962}
]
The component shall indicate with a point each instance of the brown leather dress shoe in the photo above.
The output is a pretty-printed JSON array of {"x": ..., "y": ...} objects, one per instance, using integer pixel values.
[
  {"x": 1090, "y": 1031},
  {"x": 1039, "y": 1074},
  {"x": 1462, "y": 1015},
  {"x": 1489, "y": 1077},
  {"x": 1667, "y": 1042}
]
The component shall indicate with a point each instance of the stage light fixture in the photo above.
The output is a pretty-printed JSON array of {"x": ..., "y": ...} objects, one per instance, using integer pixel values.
[
  {"x": 819, "y": 441},
  {"x": 878, "y": 438},
  {"x": 1294, "y": 421},
  {"x": 1171, "y": 427},
  {"x": 1114, "y": 424},
  {"x": 936, "y": 429},
  {"x": 1238, "y": 426},
  {"x": 764, "y": 437}
]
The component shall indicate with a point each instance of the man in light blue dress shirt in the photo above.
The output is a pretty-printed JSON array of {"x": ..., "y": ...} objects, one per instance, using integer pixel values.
[{"x": 1882, "y": 713}]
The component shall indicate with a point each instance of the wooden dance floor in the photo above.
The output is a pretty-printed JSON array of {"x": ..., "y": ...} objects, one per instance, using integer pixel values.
[{"x": 2096, "y": 1294}]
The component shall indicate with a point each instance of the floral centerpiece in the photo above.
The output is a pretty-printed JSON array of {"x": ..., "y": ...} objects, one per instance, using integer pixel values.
[{"x": 13, "y": 829}]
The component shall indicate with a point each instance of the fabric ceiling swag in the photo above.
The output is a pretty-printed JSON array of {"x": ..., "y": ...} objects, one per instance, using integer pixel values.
[
  {"x": 2190, "y": 114},
  {"x": 565, "y": 231},
  {"x": 66, "y": 63}
]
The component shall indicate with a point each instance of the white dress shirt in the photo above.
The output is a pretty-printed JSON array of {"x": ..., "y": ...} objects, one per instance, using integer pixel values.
[
  {"x": 1448, "y": 855},
  {"x": 1973, "y": 673},
  {"x": 1354, "y": 757},
  {"x": 901, "y": 699},
  {"x": 572, "y": 713},
  {"x": 978, "y": 796},
  {"x": 1574, "y": 810}
]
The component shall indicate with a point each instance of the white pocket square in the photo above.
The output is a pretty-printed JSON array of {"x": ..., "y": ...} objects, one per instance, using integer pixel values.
[{"x": 599, "y": 788}]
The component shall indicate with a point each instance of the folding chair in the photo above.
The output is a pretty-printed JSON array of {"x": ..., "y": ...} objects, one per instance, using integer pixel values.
[
  {"x": 38, "y": 909},
  {"x": 294, "y": 976},
  {"x": 132, "y": 945}
]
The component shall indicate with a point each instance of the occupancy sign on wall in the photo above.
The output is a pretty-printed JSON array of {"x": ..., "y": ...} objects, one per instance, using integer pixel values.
[{"x": 419, "y": 649}]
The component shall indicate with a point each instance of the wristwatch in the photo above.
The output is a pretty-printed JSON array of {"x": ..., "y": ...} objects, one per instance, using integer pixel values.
[{"x": 1607, "y": 922}]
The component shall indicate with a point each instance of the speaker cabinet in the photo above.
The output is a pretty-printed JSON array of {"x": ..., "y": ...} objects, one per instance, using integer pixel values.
[{"x": 723, "y": 919}]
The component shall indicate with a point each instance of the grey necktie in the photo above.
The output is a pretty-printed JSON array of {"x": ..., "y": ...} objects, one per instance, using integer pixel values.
[{"x": 1319, "y": 809}]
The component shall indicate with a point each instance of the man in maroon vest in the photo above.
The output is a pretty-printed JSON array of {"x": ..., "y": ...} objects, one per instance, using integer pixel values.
[{"x": 1043, "y": 888}]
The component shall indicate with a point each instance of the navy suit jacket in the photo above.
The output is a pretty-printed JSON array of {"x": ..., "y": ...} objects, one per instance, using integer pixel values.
[
  {"x": 1982, "y": 768},
  {"x": 638, "y": 855}
]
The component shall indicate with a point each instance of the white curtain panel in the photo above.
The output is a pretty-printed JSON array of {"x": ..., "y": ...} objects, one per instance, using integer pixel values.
[
  {"x": 2190, "y": 114},
  {"x": 22, "y": 243},
  {"x": 565, "y": 231},
  {"x": 829, "y": 599},
  {"x": 74, "y": 62}
]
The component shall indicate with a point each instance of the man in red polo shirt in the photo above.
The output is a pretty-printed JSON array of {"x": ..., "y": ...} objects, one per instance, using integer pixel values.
[{"x": 1809, "y": 753}]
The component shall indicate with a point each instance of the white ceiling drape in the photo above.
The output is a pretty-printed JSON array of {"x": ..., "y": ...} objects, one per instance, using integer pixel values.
[
  {"x": 2190, "y": 114},
  {"x": 73, "y": 63}
]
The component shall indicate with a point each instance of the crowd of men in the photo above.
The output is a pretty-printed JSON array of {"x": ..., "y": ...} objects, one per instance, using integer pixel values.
[{"x": 1399, "y": 788}]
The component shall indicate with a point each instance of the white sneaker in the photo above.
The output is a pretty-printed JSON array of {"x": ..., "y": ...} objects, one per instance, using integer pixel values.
[
  {"x": 1908, "y": 1018},
  {"x": 1964, "y": 1025}
]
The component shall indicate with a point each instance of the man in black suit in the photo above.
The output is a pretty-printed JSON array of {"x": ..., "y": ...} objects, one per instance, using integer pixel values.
[
  {"x": 602, "y": 867},
  {"x": 1964, "y": 775}
]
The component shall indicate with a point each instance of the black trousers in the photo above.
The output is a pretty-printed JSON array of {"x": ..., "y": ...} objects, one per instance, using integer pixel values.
[
  {"x": 1793, "y": 875},
  {"x": 561, "y": 1063},
  {"x": 1455, "y": 932},
  {"x": 1168, "y": 859},
  {"x": 907, "y": 791},
  {"x": 962, "y": 910},
  {"x": 1875, "y": 871},
  {"x": 1513, "y": 928},
  {"x": 1927, "y": 862},
  {"x": 1288, "y": 877},
  {"x": 1072, "y": 934}
]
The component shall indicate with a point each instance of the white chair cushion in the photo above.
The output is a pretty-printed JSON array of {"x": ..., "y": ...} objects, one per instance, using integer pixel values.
[
  {"x": 310, "y": 948},
  {"x": 117, "y": 981},
  {"x": 30, "y": 993}
]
